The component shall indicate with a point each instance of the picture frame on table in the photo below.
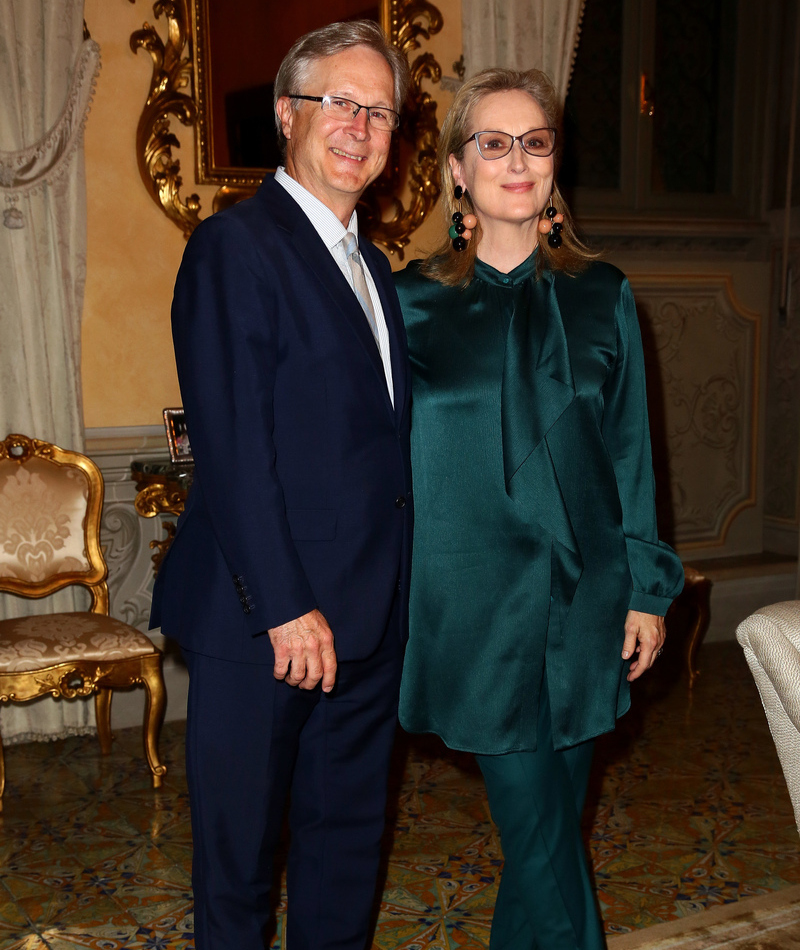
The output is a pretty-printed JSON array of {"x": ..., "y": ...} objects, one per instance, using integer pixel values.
[{"x": 180, "y": 451}]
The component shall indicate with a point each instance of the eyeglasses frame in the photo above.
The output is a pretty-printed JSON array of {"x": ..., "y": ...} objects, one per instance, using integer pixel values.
[
  {"x": 514, "y": 138},
  {"x": 359, "y": 107}
]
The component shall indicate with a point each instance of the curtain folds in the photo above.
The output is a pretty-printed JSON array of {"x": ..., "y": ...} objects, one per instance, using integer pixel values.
[
  {"x": 522, "y": 34},
  {"x": 47, "y": 74},
  {"x": 28, "y": 170}
]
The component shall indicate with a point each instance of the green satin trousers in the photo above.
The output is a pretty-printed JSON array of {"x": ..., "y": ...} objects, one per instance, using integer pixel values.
[{"x": 545, "y": 900}]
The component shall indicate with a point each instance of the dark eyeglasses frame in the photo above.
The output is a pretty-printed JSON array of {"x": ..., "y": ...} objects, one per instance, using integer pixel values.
[
  {"x": 514, "y": 138},
  {"x": 358, "y": 106}
]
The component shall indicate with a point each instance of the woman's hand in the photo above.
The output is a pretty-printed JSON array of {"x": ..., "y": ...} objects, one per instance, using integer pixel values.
[{"x": 649, "y": 632}]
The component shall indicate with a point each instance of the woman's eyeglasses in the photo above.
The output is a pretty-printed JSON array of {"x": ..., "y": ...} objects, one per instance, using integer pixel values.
[{"x": 491, "y": 145}]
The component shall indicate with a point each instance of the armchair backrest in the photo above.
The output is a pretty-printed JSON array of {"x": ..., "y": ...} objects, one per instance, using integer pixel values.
[{"x": 51, "y": 500}]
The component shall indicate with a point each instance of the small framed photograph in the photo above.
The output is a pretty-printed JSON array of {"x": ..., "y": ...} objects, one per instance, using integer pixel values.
[{"x": 177, "y": 436}]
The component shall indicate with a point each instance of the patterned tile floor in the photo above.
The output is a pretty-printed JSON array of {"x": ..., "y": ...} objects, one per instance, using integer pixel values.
[{"x": 687, "y": 810}]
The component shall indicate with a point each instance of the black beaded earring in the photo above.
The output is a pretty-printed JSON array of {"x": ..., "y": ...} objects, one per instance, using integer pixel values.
[
  {"x": 554, "y": 238},
  {"x": 461, "y": 228}
]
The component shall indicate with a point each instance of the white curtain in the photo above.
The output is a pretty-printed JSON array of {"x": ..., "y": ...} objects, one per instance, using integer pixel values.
[
  {"x": 47, "y": 73},
  {"x": 522, "y": 34}
]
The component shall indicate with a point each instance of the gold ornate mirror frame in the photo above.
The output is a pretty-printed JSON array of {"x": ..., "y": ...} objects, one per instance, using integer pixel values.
[{"x": 180, "y": 64}]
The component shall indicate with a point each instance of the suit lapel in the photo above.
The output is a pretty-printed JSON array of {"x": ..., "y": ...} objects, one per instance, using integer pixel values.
[
  {"x": 394, "y": 324},
  {"x": 288, "y": 215}
]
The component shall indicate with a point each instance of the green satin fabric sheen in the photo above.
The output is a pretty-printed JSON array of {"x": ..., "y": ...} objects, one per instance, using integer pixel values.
[{"x": 535, "y": 522}]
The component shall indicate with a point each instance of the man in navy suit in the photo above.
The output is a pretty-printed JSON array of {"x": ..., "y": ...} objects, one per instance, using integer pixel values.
[{"x": 285, "y": 584}]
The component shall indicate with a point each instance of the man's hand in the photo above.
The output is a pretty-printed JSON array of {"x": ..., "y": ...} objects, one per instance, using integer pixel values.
[
  {"x": 304, "y": 652},
  {"x": 649, "y": 632}
]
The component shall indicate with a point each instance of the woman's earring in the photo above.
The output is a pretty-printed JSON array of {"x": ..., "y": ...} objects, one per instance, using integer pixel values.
[
  {"x": 552, "y": 225},
  {"x": 461, "y": 228}
]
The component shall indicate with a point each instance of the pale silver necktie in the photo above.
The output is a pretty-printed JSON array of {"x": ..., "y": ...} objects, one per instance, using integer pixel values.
[{"x": 350, "y": 243}]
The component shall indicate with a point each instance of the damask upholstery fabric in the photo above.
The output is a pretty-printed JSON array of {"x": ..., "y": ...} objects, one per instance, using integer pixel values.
[
  {"x": 41, "y": 520},
  {"x": 29, "y": 643},
  {"x": 522, "y": 34},
  {"x": 770, "y": 639}
]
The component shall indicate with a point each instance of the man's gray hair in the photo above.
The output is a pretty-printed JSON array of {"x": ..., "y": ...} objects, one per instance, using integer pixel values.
[{"x": 327, "y": 41}]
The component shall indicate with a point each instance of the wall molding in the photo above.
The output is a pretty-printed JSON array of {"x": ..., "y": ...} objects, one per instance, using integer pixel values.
[
  {"x": 703, "y": 349},
  {"x": 782, "y": 450}
]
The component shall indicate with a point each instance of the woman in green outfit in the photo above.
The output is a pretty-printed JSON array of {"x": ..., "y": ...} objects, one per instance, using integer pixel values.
[{"x": 539, "y": 584}]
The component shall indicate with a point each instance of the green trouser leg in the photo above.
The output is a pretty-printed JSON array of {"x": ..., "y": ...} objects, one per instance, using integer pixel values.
[{"x": 545, "y": 900}]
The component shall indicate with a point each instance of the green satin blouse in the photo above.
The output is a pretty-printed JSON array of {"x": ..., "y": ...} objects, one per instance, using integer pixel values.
[{"x": 535, "y": 527}]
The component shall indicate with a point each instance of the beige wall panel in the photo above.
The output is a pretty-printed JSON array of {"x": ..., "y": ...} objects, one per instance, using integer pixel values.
[
  {"x": 783, "y": 403},
  {"x": 703, "y": 338},
  {"x": 133, "y": 250}
]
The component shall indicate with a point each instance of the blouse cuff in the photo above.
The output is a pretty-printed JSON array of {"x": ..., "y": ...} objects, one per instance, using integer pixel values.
[
  {"x": 656, "y": 573},
  {"x": 649, "y": 603}
]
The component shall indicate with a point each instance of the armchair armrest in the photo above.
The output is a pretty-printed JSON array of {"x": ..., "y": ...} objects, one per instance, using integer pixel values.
[{"x": 770, "y": 639}]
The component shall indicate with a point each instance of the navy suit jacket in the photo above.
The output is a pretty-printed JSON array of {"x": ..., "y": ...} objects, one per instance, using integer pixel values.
[{"x": 301, "y": 495}]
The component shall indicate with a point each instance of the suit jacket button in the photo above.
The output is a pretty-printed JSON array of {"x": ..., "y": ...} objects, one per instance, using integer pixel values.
[
  {"x": 246, "y": 609},
  {"x": 400, "y": 502}
]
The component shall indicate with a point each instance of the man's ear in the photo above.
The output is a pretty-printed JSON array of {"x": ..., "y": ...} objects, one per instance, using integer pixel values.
[{"x": 286, "y": 114}]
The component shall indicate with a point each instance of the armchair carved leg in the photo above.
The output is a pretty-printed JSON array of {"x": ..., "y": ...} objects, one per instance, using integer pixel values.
[
  {"x": 154, "y": 710},
  {"x": 102, "y": 711},
  {"x": 699, "y": 587}
]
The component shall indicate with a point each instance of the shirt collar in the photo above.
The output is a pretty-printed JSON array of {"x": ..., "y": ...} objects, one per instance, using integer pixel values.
[
  {"x": 513, "y": 278},
  {"x": 327, "y": 225}
]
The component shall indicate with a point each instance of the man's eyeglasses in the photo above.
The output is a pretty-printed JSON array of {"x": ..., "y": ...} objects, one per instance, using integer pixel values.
[
  {"x": 491, "y": 145},
  {"x": 381, "y": 119}
]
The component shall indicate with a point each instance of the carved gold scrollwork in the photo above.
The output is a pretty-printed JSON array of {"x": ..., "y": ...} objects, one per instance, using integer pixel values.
[
  {"x": 159, "y": 499},
  {"x": 67, "y": 680},
  {"x": 161, "y": 547},
  {"x": 77, "y": 678},
  {"x": 419, "y": 118},
  {"x": 172, "y": 73},
  {"x": 383, "y": 215},
  {"x": 78, "y": 682},
  {"x": 19, "y": 448}
]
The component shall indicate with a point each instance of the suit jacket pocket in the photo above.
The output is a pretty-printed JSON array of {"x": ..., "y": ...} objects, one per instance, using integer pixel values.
[{"x": 312, "y": 524}]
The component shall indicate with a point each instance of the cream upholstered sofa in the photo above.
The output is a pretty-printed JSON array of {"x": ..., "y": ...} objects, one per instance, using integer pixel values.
[{"x": 771, "y": 641}]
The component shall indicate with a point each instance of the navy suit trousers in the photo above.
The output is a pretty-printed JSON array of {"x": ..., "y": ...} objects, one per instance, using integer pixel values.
[{"x": 251, "y": 743}]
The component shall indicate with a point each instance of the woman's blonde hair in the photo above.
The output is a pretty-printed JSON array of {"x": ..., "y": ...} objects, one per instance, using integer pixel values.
[{"x": 452, "y": 267}]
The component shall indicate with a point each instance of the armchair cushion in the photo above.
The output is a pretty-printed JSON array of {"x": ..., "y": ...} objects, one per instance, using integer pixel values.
[
  {"x": 42, "y": 508},
  {"x": 32, "y": 643}
]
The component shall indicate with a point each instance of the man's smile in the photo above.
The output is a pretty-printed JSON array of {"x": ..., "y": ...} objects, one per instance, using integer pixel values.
[{"x": 357, "y": 158}]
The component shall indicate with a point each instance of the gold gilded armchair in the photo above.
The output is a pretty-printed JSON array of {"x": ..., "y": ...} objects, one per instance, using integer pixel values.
[{"x": 51, "y": 501}]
